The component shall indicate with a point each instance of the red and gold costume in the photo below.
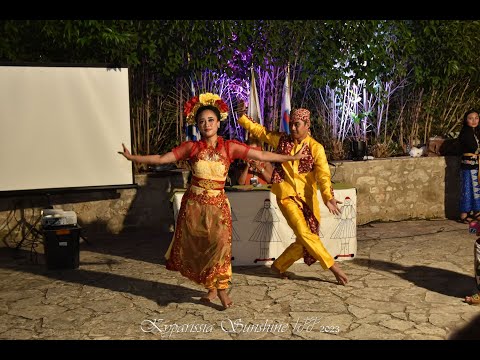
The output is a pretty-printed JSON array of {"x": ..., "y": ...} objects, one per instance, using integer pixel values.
[
  {"x": 201, "y": 248},
  {"x": 295, "y": 186}
]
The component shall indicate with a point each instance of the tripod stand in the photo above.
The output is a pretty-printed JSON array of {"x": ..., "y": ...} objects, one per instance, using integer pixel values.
[
  {"x": 28, "y": 229},
  {"x": 27, "y": 226}
]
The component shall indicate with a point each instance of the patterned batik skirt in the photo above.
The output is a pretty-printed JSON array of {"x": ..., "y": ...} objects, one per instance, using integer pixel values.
[{"x": 470, "y": 191}]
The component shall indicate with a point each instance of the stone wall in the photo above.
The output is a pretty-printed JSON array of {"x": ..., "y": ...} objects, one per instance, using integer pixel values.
[
  {"x": 112, "y": 211},
  {"x": 402, "y": 188},
  {"x": 387, "y": 190}
]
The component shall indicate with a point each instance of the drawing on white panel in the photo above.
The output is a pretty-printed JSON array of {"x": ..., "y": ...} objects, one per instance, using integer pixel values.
[
  {"x": 266, "y": 232},
  {"x": 319, "y": 234},
  {"x": 235, "y": 236},
  {"x": 346, "y": 229}
]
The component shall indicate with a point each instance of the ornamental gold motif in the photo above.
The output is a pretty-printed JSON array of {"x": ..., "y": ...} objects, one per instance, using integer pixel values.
[{"x": 209, "y": 184}]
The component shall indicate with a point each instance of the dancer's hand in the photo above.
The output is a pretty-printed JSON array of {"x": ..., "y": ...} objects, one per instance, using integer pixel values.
[
  {"x": 332, "y": 206},
  {"x": 125, "y": 152},
  {"x": 298, "y": 155},
  {"x": 241, "y": 108}
]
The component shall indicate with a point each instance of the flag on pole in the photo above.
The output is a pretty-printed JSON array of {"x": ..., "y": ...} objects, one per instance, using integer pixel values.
[
  {"x": 253, "y": 102},
  {"x": 285, "y": 109},
  {"x": 191, "y": 131}
]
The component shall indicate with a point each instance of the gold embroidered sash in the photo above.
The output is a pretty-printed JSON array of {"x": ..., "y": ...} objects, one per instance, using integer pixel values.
[{"x": 208, "y": 183}]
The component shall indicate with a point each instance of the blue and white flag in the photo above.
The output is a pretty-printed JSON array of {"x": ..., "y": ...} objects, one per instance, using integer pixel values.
[{"x": 285, "y": 109}]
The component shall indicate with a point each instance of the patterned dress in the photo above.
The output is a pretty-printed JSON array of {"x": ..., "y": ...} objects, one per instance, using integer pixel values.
[
  {"x": 470, "y": 187},
  {"x": 201, "y": 248}
]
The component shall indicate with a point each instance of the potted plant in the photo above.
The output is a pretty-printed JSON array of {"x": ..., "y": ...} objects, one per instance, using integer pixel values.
[{"x": 358, "y": 142}]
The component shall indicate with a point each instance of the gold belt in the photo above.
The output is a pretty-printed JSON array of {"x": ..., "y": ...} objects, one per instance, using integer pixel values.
[{"x": 208, "y": 183}]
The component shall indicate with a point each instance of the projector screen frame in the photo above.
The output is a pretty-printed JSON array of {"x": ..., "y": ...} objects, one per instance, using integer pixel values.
[{"x": 74, "y": 189}]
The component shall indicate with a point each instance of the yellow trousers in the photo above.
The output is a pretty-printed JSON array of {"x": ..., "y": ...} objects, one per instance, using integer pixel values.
[{"x": 292, "y": 211}]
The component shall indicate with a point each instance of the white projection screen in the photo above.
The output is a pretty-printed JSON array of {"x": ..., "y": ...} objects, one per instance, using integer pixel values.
[{"x": 61, "y": 127}]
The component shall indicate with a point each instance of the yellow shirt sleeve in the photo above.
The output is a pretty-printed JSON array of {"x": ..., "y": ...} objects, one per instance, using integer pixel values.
[
  {"x": 322, "y": 172},
  {"x": 270, "y": 137}
]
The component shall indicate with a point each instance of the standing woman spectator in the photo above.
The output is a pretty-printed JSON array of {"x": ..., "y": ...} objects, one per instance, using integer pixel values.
[{"x": 470, "y": 148}]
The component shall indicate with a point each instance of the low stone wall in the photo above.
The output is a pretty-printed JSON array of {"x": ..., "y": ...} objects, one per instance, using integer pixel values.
[
  {"x": 112, "y": 211},
  {"x": 387, "y": 190},
  {"x": 402, "y": 188}
]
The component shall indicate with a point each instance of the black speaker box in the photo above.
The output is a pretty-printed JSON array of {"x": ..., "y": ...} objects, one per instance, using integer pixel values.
[{"x": 62, "y": 247}]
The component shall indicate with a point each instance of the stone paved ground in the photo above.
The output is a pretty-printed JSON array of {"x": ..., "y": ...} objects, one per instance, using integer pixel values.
[{"x": 407, "y": 282}]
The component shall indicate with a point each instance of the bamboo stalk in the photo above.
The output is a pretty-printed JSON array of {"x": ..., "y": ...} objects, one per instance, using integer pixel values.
[{"x": 428, "y": 118}]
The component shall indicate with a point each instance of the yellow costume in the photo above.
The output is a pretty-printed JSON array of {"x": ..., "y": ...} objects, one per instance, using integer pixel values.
[{"x": 295, "y": 186}]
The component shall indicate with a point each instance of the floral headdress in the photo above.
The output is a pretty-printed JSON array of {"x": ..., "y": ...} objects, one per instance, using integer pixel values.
[{"x": 191, "y": 106}]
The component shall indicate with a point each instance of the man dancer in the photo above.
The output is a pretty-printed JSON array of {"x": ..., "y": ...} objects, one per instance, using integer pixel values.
[{"x": 295, "y": 187}]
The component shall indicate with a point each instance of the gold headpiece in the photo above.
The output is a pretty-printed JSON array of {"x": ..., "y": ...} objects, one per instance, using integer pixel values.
[{"x": 191, "y": 106}]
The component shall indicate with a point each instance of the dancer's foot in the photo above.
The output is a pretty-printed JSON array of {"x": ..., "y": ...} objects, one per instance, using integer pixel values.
[
  {"x": 473, "y": 299},
  {"x": 339, "y": 274},
  {"x": 224, "y": 298},
  {"x": 281, "y": 275},
  {"x": 211, "y": 295}
]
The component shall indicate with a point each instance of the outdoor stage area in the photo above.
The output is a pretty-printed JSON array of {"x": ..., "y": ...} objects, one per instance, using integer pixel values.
[{"x": 261, "y": 233}]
